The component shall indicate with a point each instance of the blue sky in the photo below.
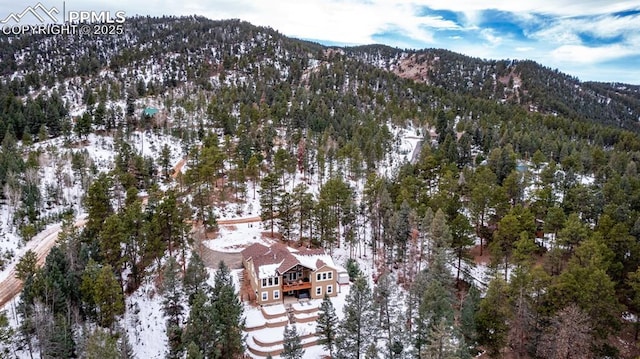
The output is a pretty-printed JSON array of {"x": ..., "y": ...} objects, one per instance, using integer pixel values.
[{"x": 592, "y": 40}]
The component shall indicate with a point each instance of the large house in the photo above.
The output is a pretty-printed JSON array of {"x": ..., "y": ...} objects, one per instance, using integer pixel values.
[{"x": 278, "y": 271}]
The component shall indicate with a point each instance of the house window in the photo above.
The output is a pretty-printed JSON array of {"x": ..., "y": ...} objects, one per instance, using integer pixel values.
[
  {"x": 265, "y": 296},
  {"x": 324, "y": 276},
  {"x": 329, "y": 289},
  {"x": 276, "y": 294},
  {"x": 318, "y": 290},
  {"x": 270, "y": 282}
]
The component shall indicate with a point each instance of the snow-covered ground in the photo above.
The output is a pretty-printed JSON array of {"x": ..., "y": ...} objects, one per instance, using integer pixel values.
[
  {"x": 56, "y": 171},
  {"x": 145, "y": 323}
]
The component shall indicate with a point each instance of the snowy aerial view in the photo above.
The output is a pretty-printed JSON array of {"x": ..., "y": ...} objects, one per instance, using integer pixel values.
[{"x": 360, "y": 179}]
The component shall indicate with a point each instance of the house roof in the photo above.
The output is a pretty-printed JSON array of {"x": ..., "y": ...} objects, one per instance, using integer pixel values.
[
  {"x": 150, "y": 111},
  {"x": 278, "y": 258}
]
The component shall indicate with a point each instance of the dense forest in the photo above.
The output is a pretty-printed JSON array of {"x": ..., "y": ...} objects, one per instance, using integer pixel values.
[{"x": 518, "y": 163}]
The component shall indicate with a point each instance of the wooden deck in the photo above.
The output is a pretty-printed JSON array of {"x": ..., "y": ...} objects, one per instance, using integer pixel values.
[{"x": 296, "y": 286}]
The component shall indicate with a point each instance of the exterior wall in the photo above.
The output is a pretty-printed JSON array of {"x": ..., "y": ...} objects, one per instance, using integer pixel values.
[
  {"x": 320, "y": 287},
  {"x": 269, "y": 293},
  {"x": 256, "y": 285},
  {"x": 252, "y": 273}
]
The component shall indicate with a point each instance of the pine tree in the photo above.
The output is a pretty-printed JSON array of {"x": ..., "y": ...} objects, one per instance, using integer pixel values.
[
  {"x": 165, "y": 161},
  {"x": 108, "y": 296},
  {"x": 467, "y": 315},
  {"x": 196, "y": 276},
  {"x": 6, "y": 336},
  {"x": 441, "y": 342},
  {"x": 504, "y": 238},
  {"x": 169, "y": 223},
  {"x": 193, "y": 352},
  {"x": 357, "y": 329},
  {"x": 26, "y": 267},
  {"x": 111, "y": 239},
  {"x": 228, "y": 311},
  {"x": 387, "y": 300},
  {"x": 492, "y": 317},
  {"x": 98, "y": 205},
  {"x": 287, "y": 214},
  {"x": 83, "y": 125},
  {"x": 436, "y": 305},
  {"x": 327, "y": 324},
  {"x": 101, "y": 345},
  {"x": 172, "y": 305},
  {"x": 270, "y": 193},
  {"x": 461, "y": 239},
  {"x": 201, "y": 327},
  {"x": 292, "y": 343},
  {"x": 440, "y": 233}
]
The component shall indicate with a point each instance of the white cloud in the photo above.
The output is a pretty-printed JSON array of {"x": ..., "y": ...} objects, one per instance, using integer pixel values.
[
  {"x": 553, "y": 43},
  {"x": 591, "y": 55},
  {"x": 491, "y": 37},
  {"x": 550, "y": 7},
  {"x": 566, "y": 30}
]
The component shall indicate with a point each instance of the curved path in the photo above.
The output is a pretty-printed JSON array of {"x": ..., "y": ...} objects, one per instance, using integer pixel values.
[
  {"x": 41, "y": 244},
  {"x": 239, "y": 220}
]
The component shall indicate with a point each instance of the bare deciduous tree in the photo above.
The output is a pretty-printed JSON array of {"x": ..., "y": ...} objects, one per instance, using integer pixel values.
[{"x": 569, "y": 336}]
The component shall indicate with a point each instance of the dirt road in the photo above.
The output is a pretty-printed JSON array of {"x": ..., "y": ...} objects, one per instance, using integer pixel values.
[
  {"x": 239, "y": 220},
  {"x": 41, "y": 244}
]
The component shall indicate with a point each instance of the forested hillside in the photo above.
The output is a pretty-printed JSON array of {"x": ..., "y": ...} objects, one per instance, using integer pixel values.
[{"x": 479, "y": 206}]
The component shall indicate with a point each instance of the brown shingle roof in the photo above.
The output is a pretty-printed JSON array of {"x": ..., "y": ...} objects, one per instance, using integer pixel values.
[
  {"x": 253, "y": 251},
  {"x": 280, "y": 255}
]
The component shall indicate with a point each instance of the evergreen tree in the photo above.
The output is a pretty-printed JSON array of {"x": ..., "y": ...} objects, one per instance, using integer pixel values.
[
  {"x": 101, "y": 345},
  {"x": 27, "y": 265},
  {"x": 111, "y": 239},
  {"x": 193, "y": 352},
  {"x": 270, "y": 193},
  {"x": 165, "y": 161},
  {"x": 392, "y": 322},
  {"x": 436, "y": 304},
  {"x": 6, "y": 336},
  {"x": 357, "y": 330},
  {"x": 442, "y": 343},
  {"x": 633, "y": 281},
  {"x": 83, "y": 125},
  {"x": 172, "y": 305},
  {"x": 327, "y": 324},
  {"x": 108, "y": 296},
  {"x": 292, "y": 343},
  {"x": 228, "y": 311},
  {"x": 440, "y": 232},
  {"x": 460, "y": 239},
  {"x": 169, "y": 223},
  {"x": 467, "y": 315},
  {"x": 492, "y": 317},
  {"x": 98, "y": 205},
  {"x": 201, "y": 327},
  {"x": 195, "y": 278},
  {"x": 504, "y": 239},
  {"x": 287, "y": 214}
]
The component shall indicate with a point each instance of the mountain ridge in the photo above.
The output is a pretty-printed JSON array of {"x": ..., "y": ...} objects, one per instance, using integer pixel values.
[{"x": 214, "y": 45}]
